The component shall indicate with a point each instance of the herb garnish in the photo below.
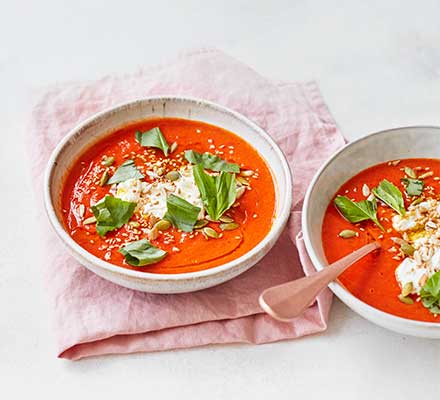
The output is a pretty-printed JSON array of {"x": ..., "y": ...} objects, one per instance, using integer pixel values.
[
  {"x": 126, "y": 171},
  {"x": 142, "y": 252},
  {"x": 181, "y": 214},
  {"x": 358, "y": 211},
  {"x": 111, "y": 213},
  {"x": 390, "y": 195},
  {"x": 430, "y": 293},
  {"x": 211, "y": 161},
  {"x": 413, "y": 187},
  {"x": 153, "y": 138},
  {"x": 218, "y": 192}
]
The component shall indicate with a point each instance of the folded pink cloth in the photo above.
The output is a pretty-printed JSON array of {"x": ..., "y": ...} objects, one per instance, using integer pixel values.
[{"x": 93, "y": 316}]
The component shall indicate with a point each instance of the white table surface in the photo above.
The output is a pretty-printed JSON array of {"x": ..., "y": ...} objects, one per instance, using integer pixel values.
[{"x": 378, "y": 65}]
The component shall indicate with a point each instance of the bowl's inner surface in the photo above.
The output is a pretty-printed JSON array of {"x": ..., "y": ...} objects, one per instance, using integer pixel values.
[{"x": 417, "y": 142}]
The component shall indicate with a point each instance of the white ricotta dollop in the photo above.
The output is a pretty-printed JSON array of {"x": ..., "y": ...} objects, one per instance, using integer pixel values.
[
  {"x": 186, "y": 188},
  {"x": 129, "y": 190},
  {"x": 409, "y": 272},
  {"x": 153, "y": 199},
  {"x": 420, "y": 227}
]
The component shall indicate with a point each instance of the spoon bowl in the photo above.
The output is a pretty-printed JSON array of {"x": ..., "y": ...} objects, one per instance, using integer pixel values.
[{"x": 289, "y": 300}]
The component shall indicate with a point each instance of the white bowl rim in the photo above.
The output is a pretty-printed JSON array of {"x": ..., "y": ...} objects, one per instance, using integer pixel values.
[
  {"x": 343, "y": 294},
  {"x": 277, "y": 225}
]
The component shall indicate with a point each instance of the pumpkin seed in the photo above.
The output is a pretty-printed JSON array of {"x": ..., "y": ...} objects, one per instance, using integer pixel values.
[
  {"x": 226, "y": 219},
  {"x": 209, "y": 232},
  {"x": 405, "y": 299},
  {"x": 242, "y": 181},
  {"x": 399, "y": 241},
  {"x": 153, "y": 233},
  {"x": 347, "y": 233},
  {"x": 134, "y": 224},
  {"x": 160, "y": 171},
  {"x": 211, "y": 220},
  {"x": 407, "y": 289},
  {"x": 247, "y": 173},
  {"x": 410, "y": 172},
  {"x": 417, "y": 201},
  {"x": 172, "y": 176},
  {"x": 104, "y": 178},
  {"x": 229, "y": 227},
  {"x": 173, "y": 147},
  {"x": 407, "y": 249},
  {"x": 240, "y": 192},
  {"x": 90, "y": 220},
  {"x": 365, "y": 190},
  {"x": 200, "y": 224},
  {"x": 162, "y": 225},
  {"x": 108, "y": 161},
  {"x": 426, "y": 175}
]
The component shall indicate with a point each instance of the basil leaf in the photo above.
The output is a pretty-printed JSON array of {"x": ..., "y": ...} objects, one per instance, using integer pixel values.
[
  {"x": 111, "y": 213},
  {"x": 430, "y": 293},
  {"x": 126, "y": 171},
  {"x": 413, "y": 187},
  {"x": 390, "y": 195},
  {"x": 357, "y": 212},
  {"x": 211, "y": 161},
  {"x": 153, "y": 138},
  {"x": 181, "y": 214},
  {"x": 218, "y": 192},
  {"x": 141, "y": 253}
]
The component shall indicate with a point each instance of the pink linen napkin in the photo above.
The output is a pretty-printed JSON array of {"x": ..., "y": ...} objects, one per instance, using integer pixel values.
[{"x": 93, "y": 316}]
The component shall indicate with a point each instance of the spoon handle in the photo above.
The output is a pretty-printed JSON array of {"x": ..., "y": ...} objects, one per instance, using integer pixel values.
[{"x": 288, "y": 300}]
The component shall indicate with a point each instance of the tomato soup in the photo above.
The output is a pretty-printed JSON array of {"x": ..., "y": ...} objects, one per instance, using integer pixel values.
[
  {"x": 397, "y": 204},
  {"x": 169, "y": 196}
]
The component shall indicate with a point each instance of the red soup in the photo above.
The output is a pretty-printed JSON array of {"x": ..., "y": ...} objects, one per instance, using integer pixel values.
[
  {"x": 169, "y": 196},
  {"x": 395, "y": 203}
]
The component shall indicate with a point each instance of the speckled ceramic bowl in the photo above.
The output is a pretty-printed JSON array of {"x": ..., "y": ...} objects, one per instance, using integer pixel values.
[
  {"x": 98, "y": 126},
  {"x": 393, "y": 144}
]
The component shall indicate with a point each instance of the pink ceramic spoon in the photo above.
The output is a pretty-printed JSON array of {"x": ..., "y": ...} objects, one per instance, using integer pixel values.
[{"x": 287, "y": 301}]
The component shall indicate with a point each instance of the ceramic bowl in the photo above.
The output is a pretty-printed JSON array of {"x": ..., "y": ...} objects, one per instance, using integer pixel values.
[
  {"x": 393, "y": 144},
  {"x": 90, "y": 131}
]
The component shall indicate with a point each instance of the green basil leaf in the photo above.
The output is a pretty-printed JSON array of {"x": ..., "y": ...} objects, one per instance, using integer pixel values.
[
  {"x": 358, "y": 211},
  {"x": 126, "y": 171},
  {"x": 211, "y": 161},
  {"x": 141, "y": 253},
  {"x": 430, "y": 293},
  {"x": 153, "y": 138},
  {"x": 413, "y": 187},
  {"x": 111, "y": 213},
  {"x": 390, "y": 195},
  {"x": 218, "y": 193},
  {"x": 181, "y": 214}
]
